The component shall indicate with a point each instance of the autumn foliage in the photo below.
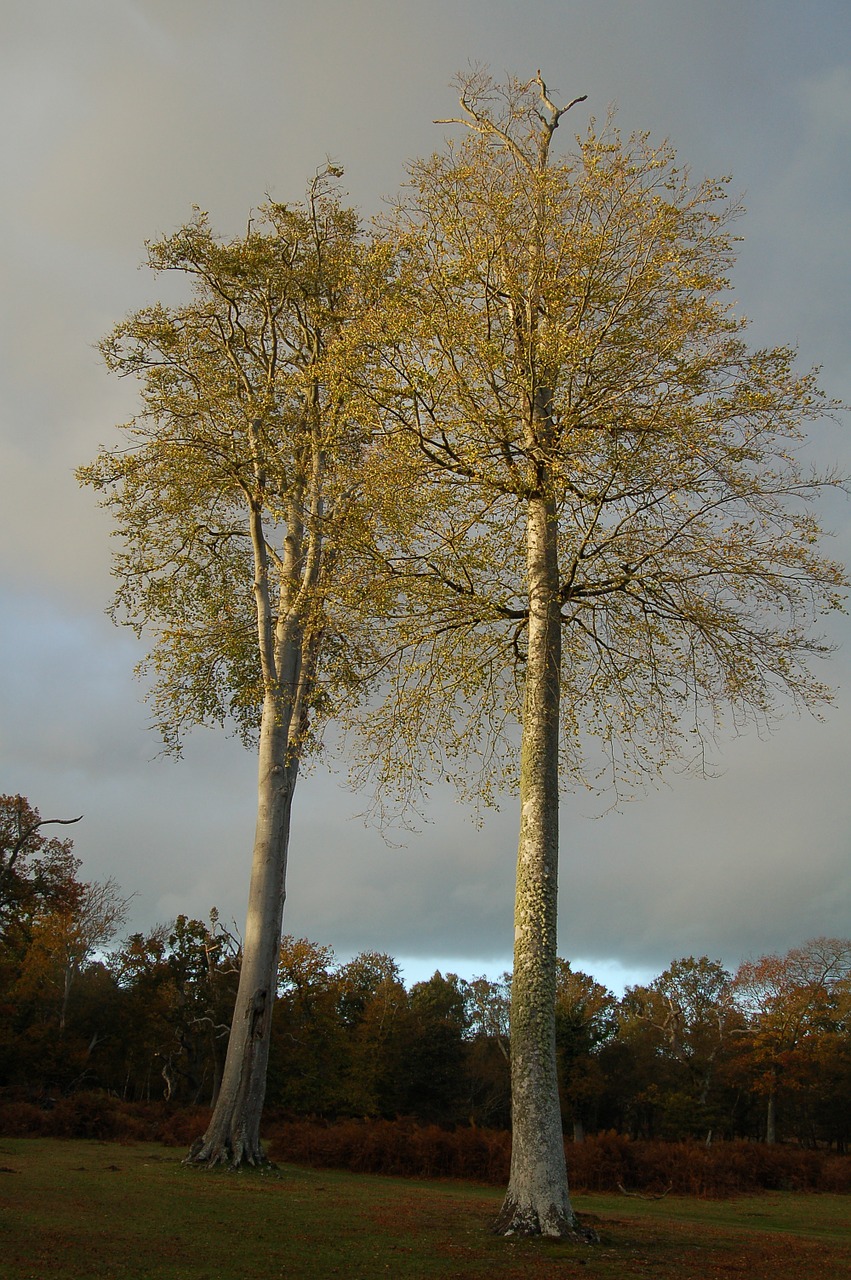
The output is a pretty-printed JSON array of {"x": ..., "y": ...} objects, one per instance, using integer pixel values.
[
  {"x": 604, "y": 1163},
  {"x": 705, "y": 1082}
]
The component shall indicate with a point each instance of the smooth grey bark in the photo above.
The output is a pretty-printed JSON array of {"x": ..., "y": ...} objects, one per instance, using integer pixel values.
[
  {"x": 537, "y": 1200},
  {"x": 233, "y": 1135},
  {"x": 288, "y": 661}
]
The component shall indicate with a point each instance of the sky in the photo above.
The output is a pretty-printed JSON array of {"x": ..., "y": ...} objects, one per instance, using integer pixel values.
[{"x": 118, "y": 117}]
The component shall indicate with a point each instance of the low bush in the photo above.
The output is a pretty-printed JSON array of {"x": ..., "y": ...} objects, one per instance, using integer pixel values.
[
  {"x": 102, "y": 1117},
  {"x": 398, "y": 1148},
  {"x": 20, "y": 1119},
  {"x": 604, "y": 1163},
  {"x": 607, "y": 1162}
]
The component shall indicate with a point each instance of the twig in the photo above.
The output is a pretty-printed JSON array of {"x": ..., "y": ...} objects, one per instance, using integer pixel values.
[{"x": 639, "y": 1195}]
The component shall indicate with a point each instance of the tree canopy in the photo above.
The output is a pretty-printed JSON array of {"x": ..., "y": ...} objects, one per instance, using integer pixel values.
[{"x": 564, "y": 325}]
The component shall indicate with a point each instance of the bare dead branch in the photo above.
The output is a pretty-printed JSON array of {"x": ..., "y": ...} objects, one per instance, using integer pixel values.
[{"x": 640, "y": 1195}]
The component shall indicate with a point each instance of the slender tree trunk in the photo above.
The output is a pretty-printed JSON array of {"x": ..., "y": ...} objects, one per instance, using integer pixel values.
[
  {"x": 771, "y": 1116},
  {"x": 537, "y": 1200},
  {"x": 233, "y": 1135},
  {"x": 67, "y": 980}
]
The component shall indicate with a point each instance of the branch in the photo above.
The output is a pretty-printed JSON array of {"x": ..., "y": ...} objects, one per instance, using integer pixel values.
[
  {"x": 556, "y": 113},
  {"x": 639, "y": 1195}
]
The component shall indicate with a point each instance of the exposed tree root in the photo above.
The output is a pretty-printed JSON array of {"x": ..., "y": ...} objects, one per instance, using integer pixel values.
[
  {"x": 517, "y": 1220},
  {"x": 229, "y": 1155}
]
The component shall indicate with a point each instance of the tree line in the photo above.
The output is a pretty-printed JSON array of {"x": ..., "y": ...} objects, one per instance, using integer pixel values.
[
  {"x": 700, "y": 1052},
  {"x": 495, "y": 484}
]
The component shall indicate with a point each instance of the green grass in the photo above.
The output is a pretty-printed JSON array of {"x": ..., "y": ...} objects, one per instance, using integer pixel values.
[{"x": 72, "y": 1210}]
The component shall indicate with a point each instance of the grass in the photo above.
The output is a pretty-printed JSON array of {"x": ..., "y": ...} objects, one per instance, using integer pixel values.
[{"x": 75, "y": 1210}]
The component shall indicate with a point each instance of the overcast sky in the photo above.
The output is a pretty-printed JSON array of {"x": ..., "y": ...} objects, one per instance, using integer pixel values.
[{"x": 118, "y": 116}]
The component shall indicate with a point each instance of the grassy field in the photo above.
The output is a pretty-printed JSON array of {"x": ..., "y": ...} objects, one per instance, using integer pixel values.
[{"x": 73, "y": 1210}]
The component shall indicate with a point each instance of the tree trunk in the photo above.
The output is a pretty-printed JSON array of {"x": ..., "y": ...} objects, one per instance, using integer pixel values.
[
  {"x": 233, "y": 1135},
  {"x": 771, "y": 1116},
  {"x": 67, "y": 980},
  {"x": 537, "y": 1200}
]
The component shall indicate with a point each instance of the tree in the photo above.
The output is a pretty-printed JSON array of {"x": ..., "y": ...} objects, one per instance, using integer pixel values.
[
  {"x": 38, "y": 882},
  {"x": 373, "y": 1006},
  {"x": 693, "y": 1016},
  {"x": 584, "y": 1021},
  {"x": 488, "y": 1058},
  {"x": 65, "y": 938},
  {"x": 34, "y": 870},
  {"x": 231, "y": 490},
  {"x": 612, "y": 525},
  {"x": 788, "y": 999},
  {"x": 433, "y": 1061},
  {"x": 361, "y": 979},
  {"x": 309, "y": 1041},
  {"x": 830, "y": 1098}
]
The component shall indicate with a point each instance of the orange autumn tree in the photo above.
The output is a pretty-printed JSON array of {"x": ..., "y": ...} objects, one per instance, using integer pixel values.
[{"x": 791, "y": 1003}]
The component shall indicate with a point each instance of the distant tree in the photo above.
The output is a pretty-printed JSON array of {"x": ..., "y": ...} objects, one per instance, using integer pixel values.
[
  {"x": 585, "y": 1020},
  {"x": 233, "y": 491},
  {"x": 36, "y": 871},
  {"x": 488, "y": 1005},
  {"x": 38, "y": 882},
  {"x": 789, "y": 1001},
  {"x": 309, "y": 1035},
  {"x": 177, "y": 984},
  {"x": 433, "y": 1062},
  {"x": 691, "y": 1014},
  {"x": 361, "y": 979},
  {"x": 373, "y": 1006},
  {"x": 488, "y": 1061},
  {"x": 828, "y": 1113},
  {"x": 612, "y": 525},
  {"x": 65, "y": 938},
  {"x": 145, "y": 1024}
]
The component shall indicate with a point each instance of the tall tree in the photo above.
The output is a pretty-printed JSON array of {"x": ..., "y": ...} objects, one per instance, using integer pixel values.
[
  {"x": 613, "y": 524},
  {"x": 231, "y": 490}
]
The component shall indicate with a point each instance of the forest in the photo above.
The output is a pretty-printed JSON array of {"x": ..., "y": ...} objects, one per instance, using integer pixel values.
[{"x": 700, "y": 1053}]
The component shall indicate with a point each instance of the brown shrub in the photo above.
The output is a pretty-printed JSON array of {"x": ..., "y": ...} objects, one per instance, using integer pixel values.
[
  {"x": 181, "y": 1128},
  {"x": 604, "y": 1163},
  {"x": 20, "y": 1119},
  {"x": 404, "y": 1148},
  {"x": 99, "y": 1116},
  {"x": 396, "y": 1148},
  {"x": 83, "y": 1115},
  {"x": 607, "y": 1161}
]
